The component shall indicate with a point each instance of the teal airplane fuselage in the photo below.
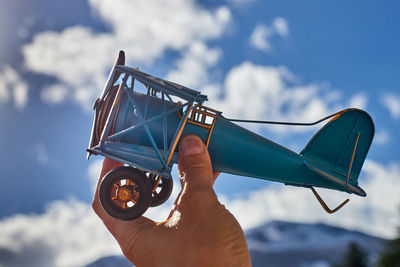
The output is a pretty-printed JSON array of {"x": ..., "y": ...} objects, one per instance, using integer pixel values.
[{"x": 233, "y": 149}]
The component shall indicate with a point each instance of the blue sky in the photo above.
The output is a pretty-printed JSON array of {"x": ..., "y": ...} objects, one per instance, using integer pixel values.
[{"x": 283, "y": 60}]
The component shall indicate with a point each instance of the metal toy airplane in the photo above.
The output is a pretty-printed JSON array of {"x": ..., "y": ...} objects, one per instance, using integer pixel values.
[{"x": 143, "y": 130}]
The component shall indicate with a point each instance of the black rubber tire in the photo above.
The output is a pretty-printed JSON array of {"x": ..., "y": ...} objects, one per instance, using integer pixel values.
[
  {"x": 159, "y": 197},
  {"x": 140, "y": 183}
]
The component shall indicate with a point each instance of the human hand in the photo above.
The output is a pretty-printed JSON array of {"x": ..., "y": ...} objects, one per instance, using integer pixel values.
[{"x": 199, "y": 231}]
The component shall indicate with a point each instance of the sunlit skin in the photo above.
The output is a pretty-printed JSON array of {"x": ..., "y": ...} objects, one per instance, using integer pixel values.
[{"x": 199, "y": 230}]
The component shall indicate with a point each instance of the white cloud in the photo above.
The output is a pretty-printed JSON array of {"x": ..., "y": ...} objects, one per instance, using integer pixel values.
[
  {"x": 77, "y": 57},
  {"x": 80, "y": 58},
  {"x": 381, "y": 138},
  {"x": 261, "y": 36},
  {"x": 270, "y": 93},
  {"x": 54, "y": 94},
  {"x": 358, "y": 101},
  {"x": 68, "y": 231},
  {"x": 377, "y": 214},
  {"x": 392, "y": 103},
  {"x": 273, "y": 92},
  {"x": 281, "y": 26},
  {"x": 12, "y": 87},
  {"x": 157, "y": 25},
  {"x": 67, "y": 234},
  {"x": 192, "y": 68}
]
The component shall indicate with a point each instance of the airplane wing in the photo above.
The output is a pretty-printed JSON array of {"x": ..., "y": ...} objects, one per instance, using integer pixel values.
[
  {"x": 142, "y": 157},
  {"x": 168, "y": 87}
]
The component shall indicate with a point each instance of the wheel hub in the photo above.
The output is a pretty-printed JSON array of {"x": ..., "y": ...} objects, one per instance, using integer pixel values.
[{"x": 125, "y": 193}]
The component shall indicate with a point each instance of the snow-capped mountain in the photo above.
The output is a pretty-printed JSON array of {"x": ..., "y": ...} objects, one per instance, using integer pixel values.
[
  {"x": 111, "y": 261},
  {"x": 282, "y": 244}
]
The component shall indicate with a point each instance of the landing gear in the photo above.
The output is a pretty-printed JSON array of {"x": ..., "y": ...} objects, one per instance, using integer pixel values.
[
  {"x": 125, "y": 193},
  {"x": 162, "y": 189}
]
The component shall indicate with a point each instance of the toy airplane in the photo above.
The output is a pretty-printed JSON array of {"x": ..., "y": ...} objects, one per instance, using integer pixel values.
[{"x": 143, "y": 130}]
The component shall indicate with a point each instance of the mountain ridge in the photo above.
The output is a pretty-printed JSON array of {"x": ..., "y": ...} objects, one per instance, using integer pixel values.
[{"x": 283, "y": 244}]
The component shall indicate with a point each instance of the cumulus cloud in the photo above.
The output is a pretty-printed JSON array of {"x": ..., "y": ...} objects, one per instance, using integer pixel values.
[
  {"x": 382, "y": 137},
  {"x": 262, "y": 34},
  {"x": 392, "y": 103},
  {"x": 67, "y": 234},
  {"x": 192, "y": 68},
  {"x": 281, "y": 26},
  {"x": 54, "y": 94},
  {"x": 358, "y": 101},
  {"x": 274, "y": 94},
  {"x": 158, "y": 25},
  {"x": 79, "y": 58},
  {"x": 259, "y": 38},
  {"x": 12, "y": 87},
  {"x": 376, "y": 214}
]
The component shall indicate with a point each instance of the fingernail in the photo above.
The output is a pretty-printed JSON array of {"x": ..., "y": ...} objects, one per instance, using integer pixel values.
[{"x": 191, "y": 145}]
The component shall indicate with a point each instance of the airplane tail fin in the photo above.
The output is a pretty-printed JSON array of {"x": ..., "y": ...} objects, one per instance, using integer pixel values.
[{"x": 338, "y": 150}]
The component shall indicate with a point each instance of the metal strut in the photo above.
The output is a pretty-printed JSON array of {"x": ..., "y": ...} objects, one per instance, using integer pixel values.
[
  {"x": 288, "y": 123},
  {"x": 351, "y": 160},
  {"x": 323, "y": 204}
]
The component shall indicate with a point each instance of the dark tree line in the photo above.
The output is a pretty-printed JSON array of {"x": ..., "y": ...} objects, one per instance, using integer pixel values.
[
  {"x": 391, "y": 254},
  {"x": 356, "y": 257}
]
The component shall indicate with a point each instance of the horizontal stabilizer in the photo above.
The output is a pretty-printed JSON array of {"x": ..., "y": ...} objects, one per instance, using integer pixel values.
[{"x": 338, "y": 150}]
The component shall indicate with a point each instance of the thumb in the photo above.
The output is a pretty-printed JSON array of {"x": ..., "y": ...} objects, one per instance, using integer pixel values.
[{"x": 194, "y": 164}]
